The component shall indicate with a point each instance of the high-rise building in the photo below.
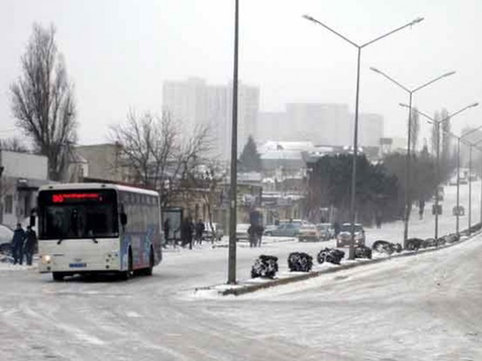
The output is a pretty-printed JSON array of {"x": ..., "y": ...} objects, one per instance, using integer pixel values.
[
  {"x": 371, "y": 129},
  {"x": 193, "y": 102},
  {"x": 320, "y": 123}
]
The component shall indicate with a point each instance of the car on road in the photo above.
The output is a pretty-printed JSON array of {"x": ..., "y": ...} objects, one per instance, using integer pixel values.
[
  {"x": 242, "y": 231},
  {"x": 6, "y": 235},
  {"x": 308, "y": 232},
  {"x": 326, "y": 230},
  {"x": 285, "y": 230},
  {"x": 208, "y": 232},
  {"x": 344, "y": 237},
  {"x": 269, "y": 228},
  {"x": 458, "y": 211}
]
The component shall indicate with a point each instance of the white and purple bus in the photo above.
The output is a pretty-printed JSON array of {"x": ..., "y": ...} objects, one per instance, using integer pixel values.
[{"x": 93, "y": 227}]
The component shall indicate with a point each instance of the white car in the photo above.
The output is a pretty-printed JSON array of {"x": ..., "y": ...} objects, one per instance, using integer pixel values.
[
  {"x": 242, "y": 231},
  {"x": 208, "y": 232},
  {"x": 308, "y": 232},
  {"x": 6, "y": 235}
]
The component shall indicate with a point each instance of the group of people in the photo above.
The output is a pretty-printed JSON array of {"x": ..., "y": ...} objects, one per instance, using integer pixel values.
[
  {"x": 190, "y": 232},
  {"x": 23, "y": 244},
  {"x": 255, "y": 234}
]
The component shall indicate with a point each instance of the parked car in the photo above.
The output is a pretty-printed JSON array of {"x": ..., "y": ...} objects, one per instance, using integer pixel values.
[
  {"x": 269, "y": 228},
  {"x": 326, "y": 230},
  {"x": 6, "y": 235},
  {"x": 460, "y": 211},
  {"x": 344, "y": 237},
  {"x": 285, "y": 230},
  {"x": 308, "y": 232},
  {"x": 298, "y": 222},
  {"x": 242, "y": 231},
  {"x": 208, "y": 232}
]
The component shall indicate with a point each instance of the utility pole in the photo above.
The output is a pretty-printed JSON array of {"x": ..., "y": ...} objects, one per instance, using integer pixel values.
[
  {"x": 1, "y": 190},
  {"x": 234, "y": 157}
]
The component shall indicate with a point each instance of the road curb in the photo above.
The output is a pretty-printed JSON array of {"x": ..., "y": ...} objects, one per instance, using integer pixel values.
[{"x": 249, "y": 288}]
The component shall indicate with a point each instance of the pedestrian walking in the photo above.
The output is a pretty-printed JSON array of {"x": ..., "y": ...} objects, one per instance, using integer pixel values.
[
  {"x": 259, "y": 234},
  {"x": 187, "y": 229},
  {"x": 252, "y": 236},
  {"x": 30, "y": 245},
  {"x": 421, "y": 206},
  {"x": 167, "y": 228},
  {"x": 199, "y": 228},
  {"x": 17, "y": 244}
]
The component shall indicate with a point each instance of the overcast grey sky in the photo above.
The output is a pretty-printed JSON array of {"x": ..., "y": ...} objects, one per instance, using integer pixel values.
[{"x": 119, "y": 52}]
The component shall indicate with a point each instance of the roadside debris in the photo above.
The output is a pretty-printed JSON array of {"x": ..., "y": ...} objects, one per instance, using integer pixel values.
[
  {"x": 363, "y": 252},
  {"x": 386, "y": 247},
  {"x": 331, "y": 255},
  {"x": 265, "y": 267},
  {"x": 300, "y": 262}
]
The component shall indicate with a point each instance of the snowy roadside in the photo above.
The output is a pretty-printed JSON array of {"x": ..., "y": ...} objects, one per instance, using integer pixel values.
[{"x": 285, "y": 277}]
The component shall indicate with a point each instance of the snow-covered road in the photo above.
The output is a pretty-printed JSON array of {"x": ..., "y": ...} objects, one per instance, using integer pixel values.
[{"x": 425, "y": 307}]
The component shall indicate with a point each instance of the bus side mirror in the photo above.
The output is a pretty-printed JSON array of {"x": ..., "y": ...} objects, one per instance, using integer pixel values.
[{"x": 123, "y": 219}]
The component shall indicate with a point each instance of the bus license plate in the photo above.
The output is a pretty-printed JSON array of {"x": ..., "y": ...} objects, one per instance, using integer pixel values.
[{"x": 77, "y": 265}]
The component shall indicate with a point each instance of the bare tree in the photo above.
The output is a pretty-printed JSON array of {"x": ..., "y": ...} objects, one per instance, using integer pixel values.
[
  {"x": 159, "y": 156},
  {"x": 136, "y": 137},
  {"x": 414, "y": 129},
  {"x": 435, "y": 132},
  {"x": 43, "y": 101},
  {"x": 13, "y": 144},
  {"x": 211, "y": 179}
]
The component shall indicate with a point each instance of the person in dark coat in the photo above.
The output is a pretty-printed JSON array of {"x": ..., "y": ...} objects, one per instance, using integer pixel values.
[
  {"x": 252, "y": 236},
  {"x": 259, "y": 234},
  {"x": 167, "y": 228},
  {"x": 187, "y": 229},
  {"x": 17, "y": 244},
  {"x": 336, "y": 227},
  {"x": 199, "y": 231},
  {"x": 30, "y": 244}
]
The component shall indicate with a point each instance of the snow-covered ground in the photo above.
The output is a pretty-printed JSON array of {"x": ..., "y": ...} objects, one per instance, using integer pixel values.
[{"x": 425, "y": 307}]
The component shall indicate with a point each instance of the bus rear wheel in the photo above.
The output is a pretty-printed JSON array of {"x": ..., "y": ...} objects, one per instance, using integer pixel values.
[
  {"x": 148, "y": 271},
  {"x": 125, "y": 275}
]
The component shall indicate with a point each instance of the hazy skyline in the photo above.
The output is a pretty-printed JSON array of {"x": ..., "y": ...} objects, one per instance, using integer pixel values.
[{"x": 118, "y": 54}]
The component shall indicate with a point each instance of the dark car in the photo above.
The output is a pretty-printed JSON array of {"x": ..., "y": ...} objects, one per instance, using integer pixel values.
[{"x": 344, "y": 237}]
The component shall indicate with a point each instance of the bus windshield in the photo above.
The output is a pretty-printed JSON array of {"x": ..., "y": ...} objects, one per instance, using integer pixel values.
[{"x": 78, "y": 214}]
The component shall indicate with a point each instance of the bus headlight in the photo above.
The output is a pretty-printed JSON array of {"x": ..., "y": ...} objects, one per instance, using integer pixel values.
[{"x": 46, "y": 258}]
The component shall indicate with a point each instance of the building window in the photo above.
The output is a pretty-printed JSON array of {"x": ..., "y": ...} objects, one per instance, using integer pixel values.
[{"x": 9, "y": 204}]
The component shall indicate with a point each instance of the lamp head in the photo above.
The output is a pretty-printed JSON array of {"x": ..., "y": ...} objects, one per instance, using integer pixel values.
[
  {"x": 375, "y": 69},
  {"x": 417, "y": 20},
  {"x": 474, "y": 105},
  {"x": 403, "y": 105},
  {"x": 308, "y": 17},
  {"x": 448, "y": 74}
]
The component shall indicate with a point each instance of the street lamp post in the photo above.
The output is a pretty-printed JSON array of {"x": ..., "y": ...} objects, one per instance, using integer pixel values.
[
  {"x": 470, "y": 188},
  {"x": 475, "y": 145},
  {"x": 437, "y": 124},
  {"x": 234, "y": 157},
  {"x": 359, "y": 48},
  {"x": 409, "y": 134},
  {"x": 459, "y": 139}
]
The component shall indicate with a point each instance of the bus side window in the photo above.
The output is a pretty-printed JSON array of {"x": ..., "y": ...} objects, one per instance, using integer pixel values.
[{"x": 123, "y": 217}]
